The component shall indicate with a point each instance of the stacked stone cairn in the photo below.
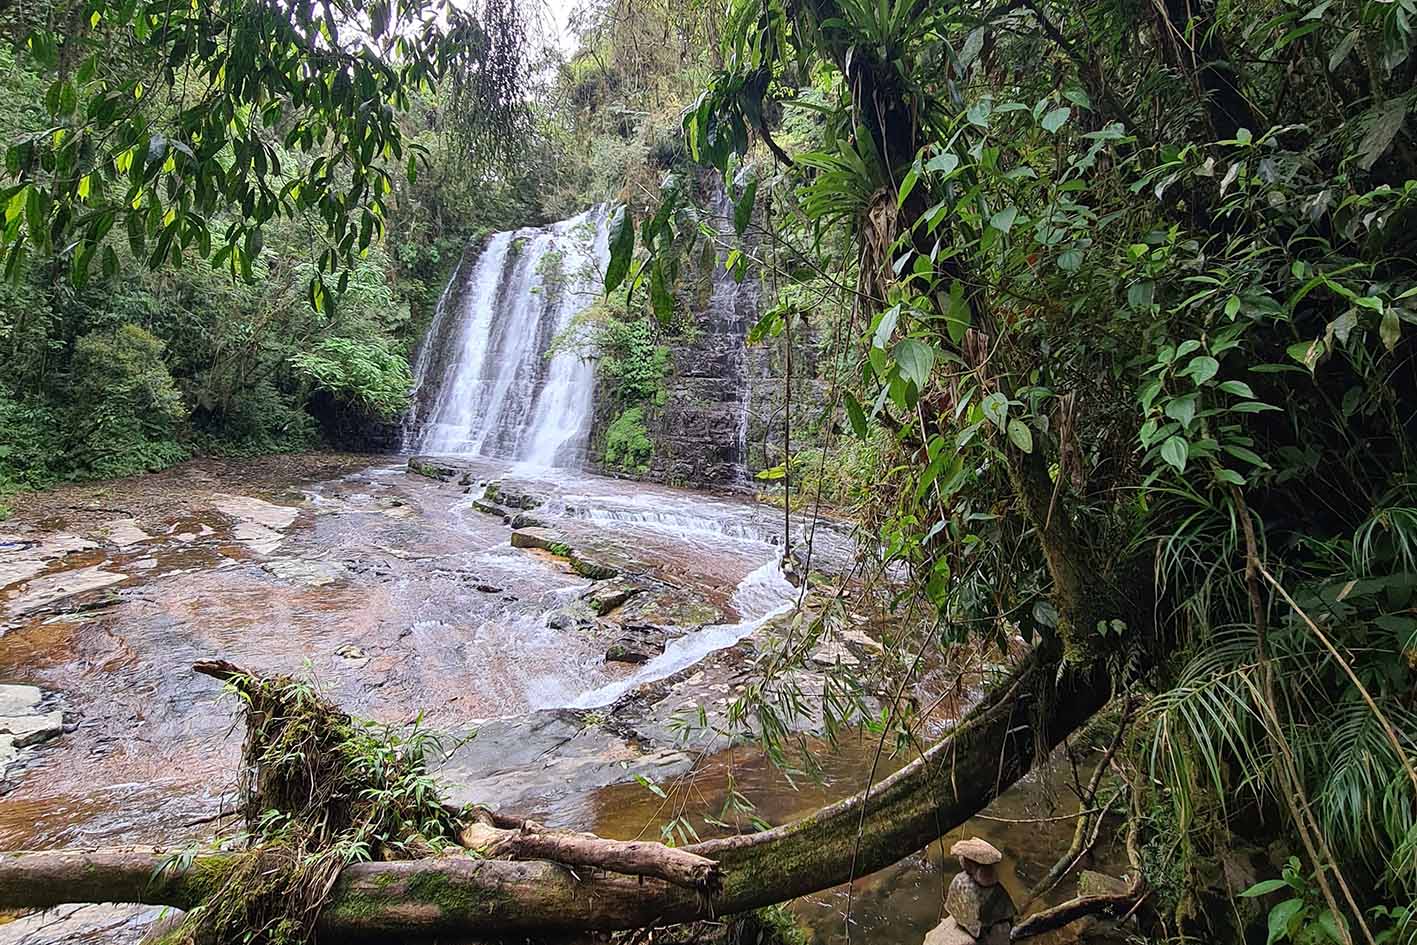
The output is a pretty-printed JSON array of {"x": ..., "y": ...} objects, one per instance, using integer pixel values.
[{"x": 980, "y": 909}]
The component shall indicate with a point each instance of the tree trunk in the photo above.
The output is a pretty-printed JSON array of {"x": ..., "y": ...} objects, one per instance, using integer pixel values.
[{"x": 991, "y": 748}]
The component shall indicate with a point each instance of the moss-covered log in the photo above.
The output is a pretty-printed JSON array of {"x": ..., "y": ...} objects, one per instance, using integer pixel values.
[{"x": 991, "y": 748}]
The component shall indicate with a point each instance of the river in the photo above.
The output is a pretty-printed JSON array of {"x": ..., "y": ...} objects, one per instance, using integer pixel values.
[{"x": 402, "y": 598}]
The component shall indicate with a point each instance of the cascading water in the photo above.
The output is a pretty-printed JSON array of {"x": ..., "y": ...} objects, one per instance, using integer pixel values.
[
  {"x": 733, "y": 305},
  {"x": 493, "y": 391}
]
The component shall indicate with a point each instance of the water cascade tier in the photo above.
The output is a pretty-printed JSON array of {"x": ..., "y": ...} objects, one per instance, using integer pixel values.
[{"x": 487, "y": 381}]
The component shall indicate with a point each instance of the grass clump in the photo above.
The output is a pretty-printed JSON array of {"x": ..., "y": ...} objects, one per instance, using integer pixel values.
[{"x": 319, "y": 790}]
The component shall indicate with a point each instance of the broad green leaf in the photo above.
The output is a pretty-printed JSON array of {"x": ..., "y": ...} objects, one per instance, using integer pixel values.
[
  {"x": 1056, "y": 118},
  {"x": 996, "y": 409},
  {"x": 885, "y": 328},
  {"x": 856, "y": 415},
  {"x": 1307, "y": 353},
  {"x": 979, "y": 112},
  {"x": 1341, "y": 51},
  {"x": 1264, "y": 888},
  {"x": 622, "y": 248},
  {"x": 1182, "y": 409},
  {"x": 1021, "y": 436},
  {"x": 1174, "y": 451},
  {"x": 1281, "y": 918},
  {"x": 915, "y": 359},
  {"x": 1238, "y": 388},
  {"x": 1202, "y": 368},
  {"x": 1003, "y": 221},
  {"x": 1390, "y": 329},
  {"x": 1140, "y": 294},
  {"x": 1248, "y": 455},
  {"x": 959, "y": 315},
  {"x": 1331, "y": 928},
  {"x": 1382, "y": 129},
  {"x": 661, "y": 298},
  {"x": 743, "y": 209},
  {"x": 908, "y": 185},
  {"x": 943, "y": 164}
]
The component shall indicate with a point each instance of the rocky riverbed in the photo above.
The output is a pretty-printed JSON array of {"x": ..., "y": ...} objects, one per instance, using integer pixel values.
[{"x": 566, "y": 633}]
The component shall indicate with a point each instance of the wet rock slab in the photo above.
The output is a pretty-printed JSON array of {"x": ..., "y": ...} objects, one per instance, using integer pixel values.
[
  {"x": 24, "y": 722},
  {"x": 524, "y": 764},
  {"x": 595, "y": 558}
]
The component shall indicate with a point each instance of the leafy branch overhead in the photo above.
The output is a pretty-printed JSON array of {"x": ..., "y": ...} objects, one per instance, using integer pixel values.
[{"x": 186, "y": 129}]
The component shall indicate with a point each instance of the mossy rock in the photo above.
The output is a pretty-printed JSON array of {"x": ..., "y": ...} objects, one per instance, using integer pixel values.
[
  {"x": 490, "y": 508},
  {"x": 432, "y": 468}
]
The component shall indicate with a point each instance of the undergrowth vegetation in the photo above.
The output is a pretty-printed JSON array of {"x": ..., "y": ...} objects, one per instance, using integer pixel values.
[
  {"x": 319, "y": 790},
  {"x": 1121, "y": 299}
]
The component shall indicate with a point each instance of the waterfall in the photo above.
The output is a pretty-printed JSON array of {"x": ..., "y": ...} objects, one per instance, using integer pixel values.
[
  {"x": 733, "y": 308},
  {"x": 484, "y": 385}
]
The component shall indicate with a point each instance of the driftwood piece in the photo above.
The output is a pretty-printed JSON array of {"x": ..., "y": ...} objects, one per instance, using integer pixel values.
[
  {"x": 995, "y": 744},
  {"x": 1074, "y": 909},
  {"x": 531, "y": 841}
]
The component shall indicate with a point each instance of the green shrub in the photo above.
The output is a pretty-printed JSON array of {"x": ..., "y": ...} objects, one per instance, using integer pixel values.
[
  {"x": 627, "y": 443},
  {"x": 29, "y": 444},
  {"x": 631, "y": 362},
  {"x": 364, "y": 375},
  {"x": 125, "y": 413},
  {"x": 262, "y": 420}
]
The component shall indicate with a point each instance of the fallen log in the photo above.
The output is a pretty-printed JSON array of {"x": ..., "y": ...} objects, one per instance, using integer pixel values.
[{"x": 1017, "y": 723}]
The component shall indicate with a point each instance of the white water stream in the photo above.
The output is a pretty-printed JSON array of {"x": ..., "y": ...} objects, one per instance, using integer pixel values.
[
  {"x": 495, "y": 392},
  {"x": 486, "y": 387},
  {"x": 760, "y": 596}
]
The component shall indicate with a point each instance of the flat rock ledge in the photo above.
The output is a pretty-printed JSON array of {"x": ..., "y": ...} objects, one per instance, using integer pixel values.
[
  {"x": 588, "y": 559},
  {"x": 24, "y": 722}
]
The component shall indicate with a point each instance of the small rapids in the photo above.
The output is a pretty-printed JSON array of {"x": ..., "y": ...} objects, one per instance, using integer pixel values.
[
  {"x": 677, "y": 515},
  {"x": 760, "y": 596}
]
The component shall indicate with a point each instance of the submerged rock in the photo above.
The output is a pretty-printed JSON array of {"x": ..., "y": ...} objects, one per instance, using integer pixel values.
[
  {"x": 626, "y": 651},
  {"x": 19, "y": 700},
  {"x": 24, "y": 723},
  {"x": 516, "y": 765},
  {"x": 512, "y": 496},
  {"x": 526, "y": 520},
  {"x": 307, "y": 572},
  {"x": 591, "y": 565},
  {"x": 664, "y": 606},
  {"x": 32, "y": 729},
  {"x": 49, "y": 589},
  {"x": 606, "y": 596},
  {"x": 432, "y": 468},
  {"x": 491, "y": 508},
  {"x": 124, "y": 532},
  {"x": 545, "y": 539},
  {"x": 576, "y": 616},
  {"x": 23, "y": 557}
]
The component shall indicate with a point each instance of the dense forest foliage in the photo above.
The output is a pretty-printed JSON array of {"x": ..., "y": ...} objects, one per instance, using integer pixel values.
[
  {"x": 1112, "y": 302},
  {"x": 122, "y": 359}
]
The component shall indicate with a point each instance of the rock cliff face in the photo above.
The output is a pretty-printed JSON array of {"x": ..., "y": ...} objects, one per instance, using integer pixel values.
[{"x": 720, "y": 419}]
